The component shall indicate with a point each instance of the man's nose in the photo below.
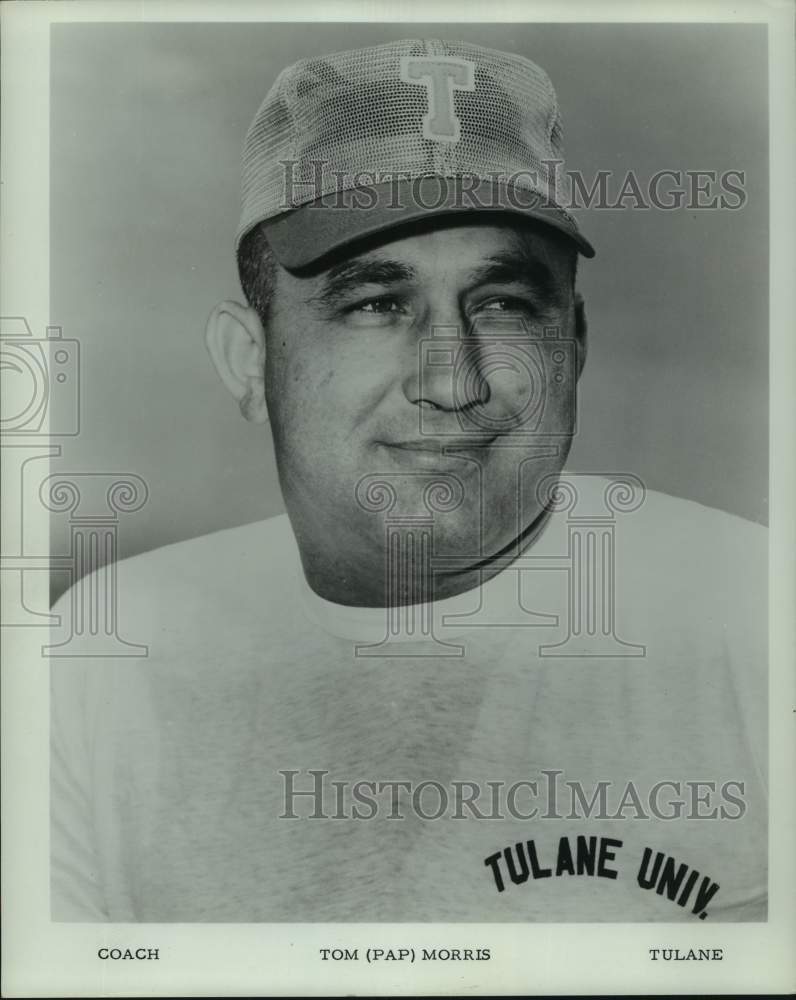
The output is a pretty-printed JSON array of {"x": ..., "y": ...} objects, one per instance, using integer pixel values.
[{"x": 446, "y": 373}]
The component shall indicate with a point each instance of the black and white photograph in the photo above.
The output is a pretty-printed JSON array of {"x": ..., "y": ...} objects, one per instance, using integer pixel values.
[{"x": 401, "y": 424}]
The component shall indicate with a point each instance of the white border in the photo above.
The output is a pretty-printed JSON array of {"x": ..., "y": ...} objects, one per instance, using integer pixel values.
[{"x": 43, "y": 959}]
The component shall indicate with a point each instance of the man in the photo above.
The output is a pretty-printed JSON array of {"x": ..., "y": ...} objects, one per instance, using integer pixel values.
[{"x": 453, "y": 683}]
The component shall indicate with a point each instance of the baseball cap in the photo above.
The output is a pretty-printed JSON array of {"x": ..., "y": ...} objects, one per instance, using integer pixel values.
[{"x": 355, "y": 143}]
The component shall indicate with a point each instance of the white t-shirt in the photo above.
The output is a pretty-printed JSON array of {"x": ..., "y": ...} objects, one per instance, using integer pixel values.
[{"x": 169, "y": 773}]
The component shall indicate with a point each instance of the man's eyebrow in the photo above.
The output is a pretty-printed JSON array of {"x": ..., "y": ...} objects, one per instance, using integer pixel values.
[
  {"x": 351, "y": 274},
  {"x": 508, "y": 268}
]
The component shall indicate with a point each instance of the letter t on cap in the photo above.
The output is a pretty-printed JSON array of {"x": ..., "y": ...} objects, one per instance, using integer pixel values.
[{"x": 440, "y": 78}]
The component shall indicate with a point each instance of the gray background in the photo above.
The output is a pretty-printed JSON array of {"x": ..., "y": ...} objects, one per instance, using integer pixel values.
[{"x": 147, "y": 123}]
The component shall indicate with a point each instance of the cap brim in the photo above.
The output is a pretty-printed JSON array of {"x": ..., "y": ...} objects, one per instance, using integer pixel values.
[{"x": 305, "y": 235}]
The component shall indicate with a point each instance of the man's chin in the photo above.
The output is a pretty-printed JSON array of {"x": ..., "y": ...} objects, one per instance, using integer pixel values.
[
  {"x": 458, "y": 521},
  {"x": 473, "y": 544}
]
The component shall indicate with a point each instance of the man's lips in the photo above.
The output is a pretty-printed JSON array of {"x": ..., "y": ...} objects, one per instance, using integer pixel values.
[
  {"x": 442, "y": 445},
  {"x": 438, "y": 454}
]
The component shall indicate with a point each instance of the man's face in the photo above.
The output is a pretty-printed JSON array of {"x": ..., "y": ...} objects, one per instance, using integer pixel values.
[{"x": 448, "y": 356}]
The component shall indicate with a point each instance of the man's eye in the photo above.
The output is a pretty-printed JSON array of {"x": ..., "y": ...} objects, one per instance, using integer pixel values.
[
  {"x": 380, "y": 310},
  {"x": 379, "y": 306},
  {"x": 506, "y": 304}
]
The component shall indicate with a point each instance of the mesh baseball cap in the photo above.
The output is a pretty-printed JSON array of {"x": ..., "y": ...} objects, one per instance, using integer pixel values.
[{"x": 354, "y": 143}]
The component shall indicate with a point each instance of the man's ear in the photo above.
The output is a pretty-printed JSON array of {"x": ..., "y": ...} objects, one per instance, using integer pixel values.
[
  {"x": 236, "y": 341},
  {"x": 580, "y": 331}
]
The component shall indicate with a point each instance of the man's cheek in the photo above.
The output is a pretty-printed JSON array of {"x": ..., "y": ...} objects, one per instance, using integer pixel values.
[{"x": 302, "y": 393}]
